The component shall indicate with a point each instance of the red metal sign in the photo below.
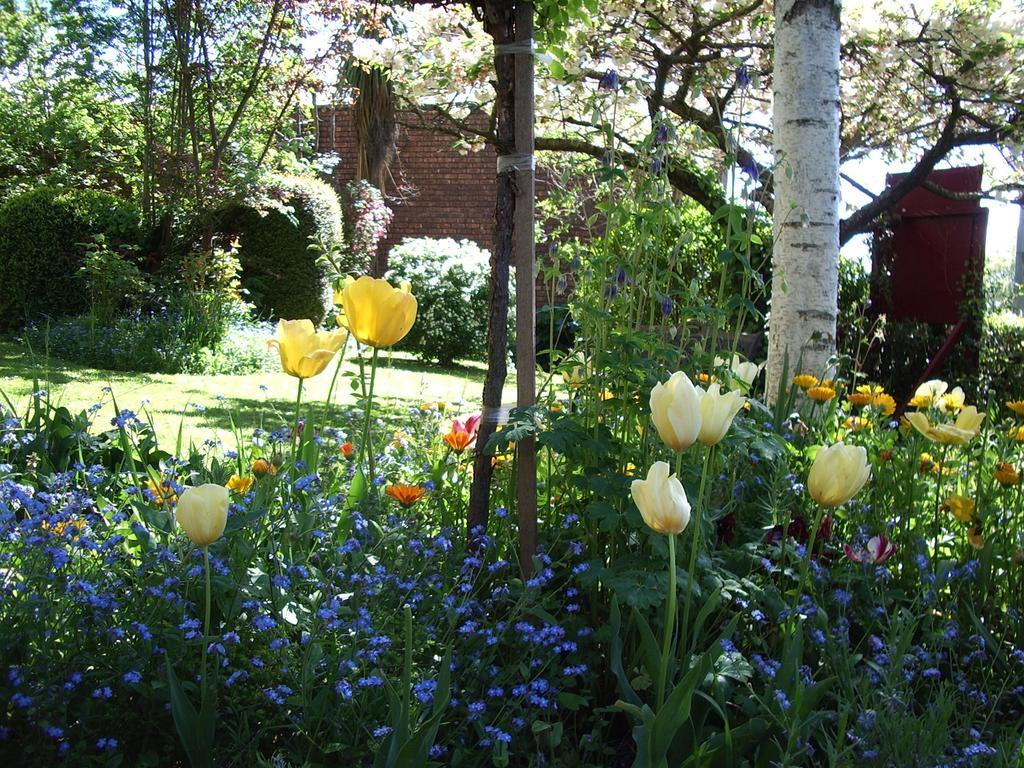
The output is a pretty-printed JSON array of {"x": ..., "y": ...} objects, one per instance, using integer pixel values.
[{"x": 937, "y": 252}]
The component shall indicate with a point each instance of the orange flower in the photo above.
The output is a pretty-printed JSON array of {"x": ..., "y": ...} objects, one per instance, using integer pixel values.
[
  {"x": 821, "y": 394},
  {"x": 406, "y": 495},
  {"x": 240, "y": 483},
  {"x": 163, "y": 493},
  {"x": 58, "y": 529},
  {"x": 463, "y": 433},
  {"x": 805, "y": 381},
  {"x": 262, "y": 467},
  {"x": 1017, "y": 406},
  {"x": 458, "y": 441},
  {"x": 348, "y": 450},
  {"x": 1006, "y": 475}
]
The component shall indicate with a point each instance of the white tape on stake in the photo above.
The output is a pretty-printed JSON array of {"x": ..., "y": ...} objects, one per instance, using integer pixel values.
[
  {"x": 519, "y": 46},
  {"x": 519, "y": 161}
]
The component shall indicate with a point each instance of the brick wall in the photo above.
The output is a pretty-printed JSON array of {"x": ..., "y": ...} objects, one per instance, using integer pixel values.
[{"x": 435, "y": 190}]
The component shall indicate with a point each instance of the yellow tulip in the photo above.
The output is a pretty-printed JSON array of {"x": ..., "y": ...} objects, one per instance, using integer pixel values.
[
  {"x": 376, "y": 313},
  {"x": 661, "y": 500},
  {"x": 965, "y": 428},
  {"x": 838, "y": 473},
  {"x": 676, "y": 411},
  {"x": 203, "y": 513},
  {"x": 305, "y": 352},
  {"x": 717, "y": 411}
]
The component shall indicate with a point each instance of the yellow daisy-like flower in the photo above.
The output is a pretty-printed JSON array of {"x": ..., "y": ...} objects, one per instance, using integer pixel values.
[
  {"x": 1006, "y": 475},
  {"x": 240, "y": 483},
  {"x": 858, "y": 423},
  {"x": 1017, "y": 406},
  {"x": 927, "y": 464},
  {"x": 821, "y": 394},
  {"x": 963, "y": 430},
  {"x": 885, "y": 402},
  {"x": 961, "y": 507},
  {"x": 951, "y": 402},
  {"x": 859, "y": 399},
  {"x": 1017, "y": 433},
  {"x": 805, "y": 381}
]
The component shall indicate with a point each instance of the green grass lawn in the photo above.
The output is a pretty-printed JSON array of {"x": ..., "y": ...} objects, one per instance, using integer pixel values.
[{"x": 206, "y": 405}]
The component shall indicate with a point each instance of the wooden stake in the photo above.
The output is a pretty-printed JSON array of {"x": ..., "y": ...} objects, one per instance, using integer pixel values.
[{"x": 526, "y": 276}]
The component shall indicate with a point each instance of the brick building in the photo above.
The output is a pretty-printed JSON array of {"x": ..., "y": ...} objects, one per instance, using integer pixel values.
[{"x": 436, "y": 190}]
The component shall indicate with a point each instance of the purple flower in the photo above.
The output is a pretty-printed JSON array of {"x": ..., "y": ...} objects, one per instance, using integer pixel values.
[{"x": 609, "y": 81}]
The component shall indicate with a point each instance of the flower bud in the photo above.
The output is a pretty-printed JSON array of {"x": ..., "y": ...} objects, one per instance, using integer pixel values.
[
  {"x": 676, "y": 411},
  {"x": 203, "y": 513},
  {"x": 838, "y": 473},
  {"x": 661, "y": 500}
]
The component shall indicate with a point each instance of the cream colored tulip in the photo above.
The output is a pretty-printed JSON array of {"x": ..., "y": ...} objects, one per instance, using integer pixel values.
[
  {"x": 203, "y": 512},
  {"x": 928, "y": 394},
  {"x": 717, "y": 411},
  {"x": 675, "y": 409},
  {"x": 838, "y": 473},
  {"x": 304, "y": 351},
  {"x": 963, "y": 430},
  {"x": 661, "y": 500},
  {"x": 743, "y": 373},
  {"x": 376, "y": 313}
]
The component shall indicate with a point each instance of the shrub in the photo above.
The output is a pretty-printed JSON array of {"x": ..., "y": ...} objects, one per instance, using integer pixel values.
[
  {"x": 280, "y": 271},
  {"x": 112, "y": 280},
  {"x": 449, "y": 280},
  {"x": 43, "y": 241}
]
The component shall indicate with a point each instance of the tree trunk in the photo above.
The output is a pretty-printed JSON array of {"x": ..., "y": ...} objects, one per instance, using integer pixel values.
[
  {"x": 499, "y": 24},
  {"x": 805, "y": 276}
]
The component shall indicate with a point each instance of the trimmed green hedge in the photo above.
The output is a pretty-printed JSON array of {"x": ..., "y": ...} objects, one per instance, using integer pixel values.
[
  {"x": 43, "y": 237},
  {"x": 280, "y": 272}
]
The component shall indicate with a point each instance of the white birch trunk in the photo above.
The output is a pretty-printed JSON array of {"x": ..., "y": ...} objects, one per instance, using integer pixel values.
[{"x": 805, "y": 274}]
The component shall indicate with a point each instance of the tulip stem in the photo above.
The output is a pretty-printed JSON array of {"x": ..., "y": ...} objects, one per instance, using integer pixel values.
[
  {"x": 295, "y": 430},
  {"x": 206, "y": 625},
  {"x": 938, "y": 502},
  {"x": 670, "y": 621},
  {"x": 365, "y": 449},
  {"x": 695, "y": 523}
]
